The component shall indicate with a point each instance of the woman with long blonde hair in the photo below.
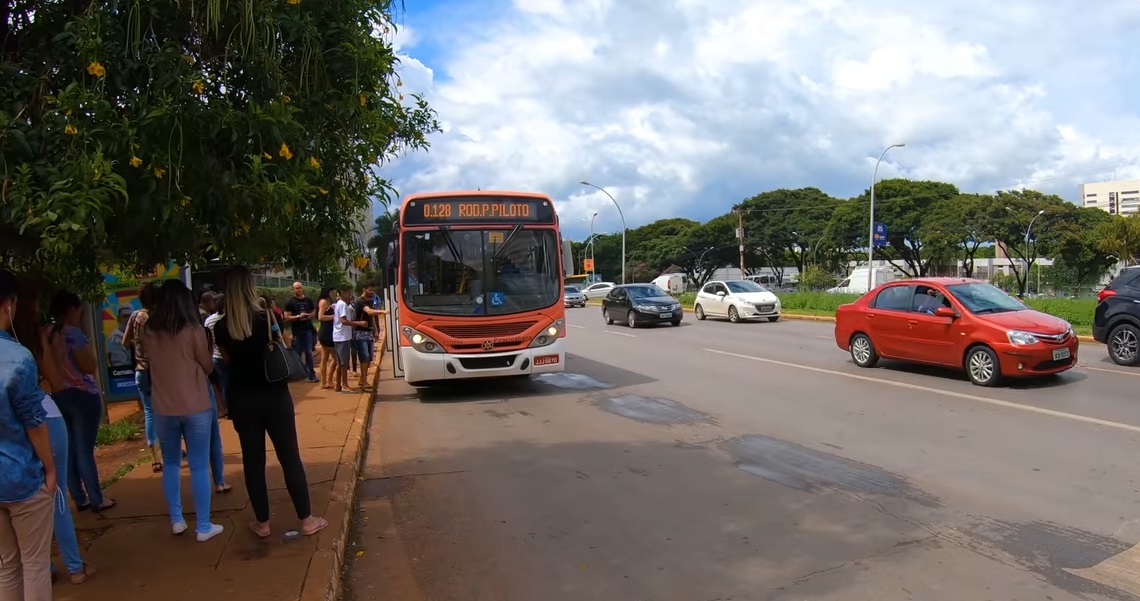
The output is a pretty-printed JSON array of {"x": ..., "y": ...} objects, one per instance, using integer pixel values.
[{"x": 259, "y": 407}]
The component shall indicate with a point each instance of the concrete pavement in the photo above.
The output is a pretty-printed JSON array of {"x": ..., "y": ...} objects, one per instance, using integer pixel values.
[
  {"x": 750, "y": 461},
  {"x": 139, "y": 560}
]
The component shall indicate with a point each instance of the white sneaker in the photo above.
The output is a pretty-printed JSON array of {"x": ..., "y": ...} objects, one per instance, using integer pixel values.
[
  {"x": 215, "y": 529},
  {"x": 178, "y": 528}
]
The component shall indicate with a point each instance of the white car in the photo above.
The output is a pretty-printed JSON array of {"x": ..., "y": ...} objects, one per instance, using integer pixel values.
[
  {"x": 597, "y": 290},
  {"x": 736, "y": 300}
]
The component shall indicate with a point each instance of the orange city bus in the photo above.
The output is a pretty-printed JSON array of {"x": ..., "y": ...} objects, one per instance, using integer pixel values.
[{"x": 478, "y": 287}]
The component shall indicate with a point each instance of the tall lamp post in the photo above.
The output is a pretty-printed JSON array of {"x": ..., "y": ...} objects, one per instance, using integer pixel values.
[
  {"x": 593, "y": 268},
  {"x": 871, "y": 228},
  {"x": 1027, "y": 230},
  {"x": 620, "y": 214}
]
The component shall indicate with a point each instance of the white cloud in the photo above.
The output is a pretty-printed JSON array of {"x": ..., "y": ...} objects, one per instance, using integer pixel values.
[{"x": 683, "y": 107}]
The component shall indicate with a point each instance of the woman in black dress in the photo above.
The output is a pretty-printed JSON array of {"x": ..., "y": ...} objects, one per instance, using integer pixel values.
[{"x": 324, "y": 336}]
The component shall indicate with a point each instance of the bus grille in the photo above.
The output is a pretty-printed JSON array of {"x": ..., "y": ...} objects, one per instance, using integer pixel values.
[{"x": 486, "y": 330}]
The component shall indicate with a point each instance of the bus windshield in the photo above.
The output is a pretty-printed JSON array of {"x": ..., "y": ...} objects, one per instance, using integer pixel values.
[{"x": 495, "y": 271}]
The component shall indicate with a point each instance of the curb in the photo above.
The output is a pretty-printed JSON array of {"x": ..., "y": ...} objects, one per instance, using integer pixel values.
[
  {"x": 831, "y": 319},
  {"x": 323, "y": 579}
]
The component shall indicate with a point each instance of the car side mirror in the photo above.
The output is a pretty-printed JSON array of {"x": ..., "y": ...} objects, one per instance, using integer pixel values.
[
  {"x": 946, "y": 312},
  {"x": 720, "y": 293}
]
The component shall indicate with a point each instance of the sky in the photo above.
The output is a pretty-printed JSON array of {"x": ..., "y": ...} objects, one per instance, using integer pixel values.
[{"x": 682, "y": 108}]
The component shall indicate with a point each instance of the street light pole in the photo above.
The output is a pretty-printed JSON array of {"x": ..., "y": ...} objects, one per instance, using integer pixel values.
[
  {"x": 1027, "y": 262},
  {"x": 623, "y": 228},
  {"x": 593, "y": 267},
  {"x": 871, "y": 228}
]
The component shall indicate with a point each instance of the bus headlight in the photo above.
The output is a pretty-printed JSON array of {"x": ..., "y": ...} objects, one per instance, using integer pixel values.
[
  {"x": 421, "y": 342},
  {"x": 549, "y": 335}
]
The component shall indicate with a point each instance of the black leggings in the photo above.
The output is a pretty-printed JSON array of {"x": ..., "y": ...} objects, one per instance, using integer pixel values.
[{"x": 254, "y": 415}]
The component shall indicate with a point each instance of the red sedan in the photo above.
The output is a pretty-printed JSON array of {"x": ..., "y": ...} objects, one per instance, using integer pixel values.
[{"x": 960, "y": 323}]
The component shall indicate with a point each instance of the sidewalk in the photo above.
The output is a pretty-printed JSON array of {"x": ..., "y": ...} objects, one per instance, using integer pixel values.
[{"x": 140, "y": 560}]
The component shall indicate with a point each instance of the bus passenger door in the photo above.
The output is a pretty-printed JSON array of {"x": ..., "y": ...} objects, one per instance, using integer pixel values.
[{"x": 392, "y": 304}]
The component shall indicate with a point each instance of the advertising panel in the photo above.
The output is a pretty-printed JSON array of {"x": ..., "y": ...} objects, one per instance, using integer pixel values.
[{"x": 121, "y": 301}]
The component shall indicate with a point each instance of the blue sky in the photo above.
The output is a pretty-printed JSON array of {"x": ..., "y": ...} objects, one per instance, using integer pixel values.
[{"x": 684, "y": 107}]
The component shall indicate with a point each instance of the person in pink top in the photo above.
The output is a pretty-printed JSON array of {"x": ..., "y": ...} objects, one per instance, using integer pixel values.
[{"x": 180, "y": 361}]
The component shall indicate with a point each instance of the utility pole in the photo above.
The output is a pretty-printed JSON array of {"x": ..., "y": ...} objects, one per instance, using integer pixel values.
[{"x": 740, "y": 236}]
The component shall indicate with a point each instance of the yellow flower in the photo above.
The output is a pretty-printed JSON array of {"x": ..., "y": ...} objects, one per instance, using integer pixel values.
[
  {"x": 285, "y": 152},
  {"x": 135, "y": 162},
  {"x": 314, "y": 163},
  {"x": 189, "y": 59},
  {"x": 293, "y": 1},
  {"x": 324, "y": 192},
  {"x": 96, "y": 69},
  {"x": 401, "y": 96},
  {"x": 70, "y": 130},
  {"x": 399, "y": 83},
  {"x": 363, "y": 100},
  {"x": 286, "y": 99},
  {"x": 185, "y": 201},
  {"x": 199, "y": 87},
  {"x": 158, "y": 171}
]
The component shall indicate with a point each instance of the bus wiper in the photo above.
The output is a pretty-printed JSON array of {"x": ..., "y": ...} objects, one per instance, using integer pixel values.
[
  {"x": 502, "y": 247},
  {"x": 446, "y": 232}
]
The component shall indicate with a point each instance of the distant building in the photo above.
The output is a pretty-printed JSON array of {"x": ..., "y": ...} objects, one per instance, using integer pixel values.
[{"x": 1118, "y": 197}]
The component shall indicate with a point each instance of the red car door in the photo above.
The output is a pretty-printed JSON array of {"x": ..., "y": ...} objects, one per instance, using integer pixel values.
[
  {"x": 932, "y": 338},
  {"x": 887, "y": 315}
]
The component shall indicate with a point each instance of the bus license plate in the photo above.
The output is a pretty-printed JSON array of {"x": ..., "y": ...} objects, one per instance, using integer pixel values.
[
  {"x": 545, "y": 360},
  {"x": 666, "y": 315},
  {"x": 1061, "y": 353}
]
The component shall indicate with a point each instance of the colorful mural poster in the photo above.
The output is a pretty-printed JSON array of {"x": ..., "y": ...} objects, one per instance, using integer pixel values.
[{"x": 121, "y": 301}]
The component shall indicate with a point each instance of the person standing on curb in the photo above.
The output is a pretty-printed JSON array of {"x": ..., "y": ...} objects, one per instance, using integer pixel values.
[
  {"x": 342, "y": 338},
  {"x": 299, "y": 313},
  {"x": 28, "y": 488},
  {"x": 363, "y": 334}
]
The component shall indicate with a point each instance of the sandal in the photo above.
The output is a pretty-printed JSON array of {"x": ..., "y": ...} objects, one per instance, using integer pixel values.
[
  {"x": 156, "y": 467},
  {"x": 223, "y": 488},
  {"x": 321, "y": 525},
  {"x": 82, "y": 575},
  {"x": 107, "y": 504},
  {"x": 257, "y": 529}
]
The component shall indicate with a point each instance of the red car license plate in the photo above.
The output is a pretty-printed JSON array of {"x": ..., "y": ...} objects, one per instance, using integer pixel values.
[{"x": 545, "y": 360}]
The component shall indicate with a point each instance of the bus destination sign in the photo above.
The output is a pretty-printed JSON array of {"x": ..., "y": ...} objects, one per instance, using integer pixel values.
[{"x": 477, "y": 209}]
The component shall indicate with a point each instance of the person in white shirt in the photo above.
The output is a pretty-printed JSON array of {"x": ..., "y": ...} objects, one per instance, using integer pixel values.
[{"x": 342, "y": 338}]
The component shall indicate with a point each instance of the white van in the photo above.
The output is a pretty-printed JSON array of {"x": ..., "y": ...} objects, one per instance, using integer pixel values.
[
  {"x": 856, "y": 283},
  {"x": 673, "y": 283}
]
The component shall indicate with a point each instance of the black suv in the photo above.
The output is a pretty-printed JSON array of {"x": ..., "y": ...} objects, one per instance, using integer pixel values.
[{"x": 1117, "y": 319}]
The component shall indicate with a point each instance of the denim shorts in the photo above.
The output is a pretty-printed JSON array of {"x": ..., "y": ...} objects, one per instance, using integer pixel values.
[{"x": 364, "y": 349}]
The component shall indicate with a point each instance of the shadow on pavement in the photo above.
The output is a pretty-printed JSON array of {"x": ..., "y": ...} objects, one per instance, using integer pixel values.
[
  {"x": 1063, "y": 379},
  {"x": 581, "y": 375}
]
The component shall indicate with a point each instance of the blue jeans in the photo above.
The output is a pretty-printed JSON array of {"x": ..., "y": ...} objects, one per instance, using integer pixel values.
[
  {"x": 82, "y": 411},
  {"x": 217, "y": 460},
  {"x": 64, "y": 526},
  {"x": 304, "y": 341},
  {"x": 142, "y": 381},
  {"x": 195, "y": 430}
]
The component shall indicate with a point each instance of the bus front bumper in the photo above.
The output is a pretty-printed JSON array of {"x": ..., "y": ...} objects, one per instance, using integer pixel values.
[{"x": 427, "y": 367}]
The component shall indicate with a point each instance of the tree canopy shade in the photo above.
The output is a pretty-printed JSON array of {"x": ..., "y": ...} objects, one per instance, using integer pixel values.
[{"x": 248, "y": 130}]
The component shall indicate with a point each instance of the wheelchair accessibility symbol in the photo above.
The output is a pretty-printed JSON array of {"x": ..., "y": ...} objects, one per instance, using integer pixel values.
[{"x": 498, "y": 299}]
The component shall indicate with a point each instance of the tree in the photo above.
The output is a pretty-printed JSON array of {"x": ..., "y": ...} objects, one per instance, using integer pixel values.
[
  {"x": 958, "y": 224},
  {"x": 1120, "y": 237},
  {"x": 1009, "y": 218},
  {"x": 1074, "y": 247},
  {"x": 136, "y": 132},
  {"x": 786, "y": 223}
]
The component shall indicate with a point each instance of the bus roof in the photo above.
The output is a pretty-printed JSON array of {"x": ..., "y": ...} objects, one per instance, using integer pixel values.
[{"x": 422, "y": 195}]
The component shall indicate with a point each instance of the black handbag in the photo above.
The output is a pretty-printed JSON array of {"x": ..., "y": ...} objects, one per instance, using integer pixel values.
[{"x": 281, "y": 363}]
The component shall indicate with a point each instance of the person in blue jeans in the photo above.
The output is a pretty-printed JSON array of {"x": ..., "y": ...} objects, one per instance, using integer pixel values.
[
  {"x": 178, "y": 351},
  {"x": 132, "y": 339},
  {"x": 217, "y": 458},
  {"x": 299, "y": 312},
  {"x": 25, "y": 326},
  {"x": 79, "y": 399}
]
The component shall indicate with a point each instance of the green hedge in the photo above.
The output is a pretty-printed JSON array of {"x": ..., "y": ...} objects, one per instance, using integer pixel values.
[{"x": 1078, "y": 312}]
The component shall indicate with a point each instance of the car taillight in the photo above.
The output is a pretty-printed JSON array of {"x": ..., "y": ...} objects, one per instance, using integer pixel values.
[{"x": 1103, "y": 294}]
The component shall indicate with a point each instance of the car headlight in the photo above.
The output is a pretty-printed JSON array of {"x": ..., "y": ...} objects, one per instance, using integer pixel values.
[
  {"x": 549, "y": 335},
  {"x": 420, "y": 341},
  {"x": 645, "y": 308},
  {"x": 1019, "y": 338}
]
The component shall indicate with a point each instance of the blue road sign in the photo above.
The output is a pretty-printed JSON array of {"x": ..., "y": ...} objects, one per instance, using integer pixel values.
[{"x": 880, "y": 234}]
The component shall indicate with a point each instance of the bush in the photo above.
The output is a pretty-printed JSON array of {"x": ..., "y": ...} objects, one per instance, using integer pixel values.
[
  {"x": 1078, "y": 312},
  {"x": 282, "y": 295}
]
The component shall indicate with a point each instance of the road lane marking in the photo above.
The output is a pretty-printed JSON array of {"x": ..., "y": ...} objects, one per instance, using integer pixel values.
[
  {"x": 1112, "y": 371},
  {"x": 961, "y": 395},
  {"x": 826, "y": 337},
  {"x": 1121, "y": 571},
  {"x": 620, "y": 334},
  {"x": 576, "y": 326}
]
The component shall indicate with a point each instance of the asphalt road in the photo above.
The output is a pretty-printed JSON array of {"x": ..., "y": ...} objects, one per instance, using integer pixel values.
[{"x": 718, "y": 461}]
